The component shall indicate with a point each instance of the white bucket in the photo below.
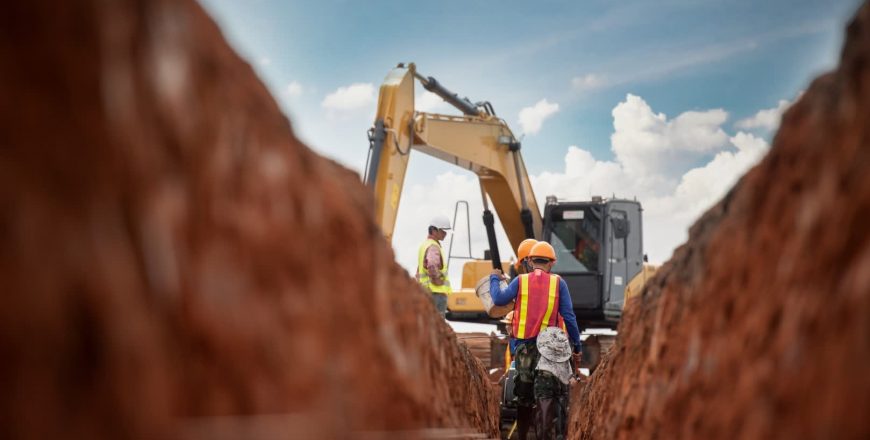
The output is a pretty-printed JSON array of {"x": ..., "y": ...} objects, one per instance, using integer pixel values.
[{"x": 494, "y": 311}]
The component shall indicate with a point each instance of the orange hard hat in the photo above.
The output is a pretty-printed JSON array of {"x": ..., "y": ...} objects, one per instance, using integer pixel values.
[
  {"x": 524, "y": 248},
  {"x": 543, "y": 250}
]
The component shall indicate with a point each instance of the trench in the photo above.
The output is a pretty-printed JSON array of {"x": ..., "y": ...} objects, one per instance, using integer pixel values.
[{"x": 178, "y": 265}]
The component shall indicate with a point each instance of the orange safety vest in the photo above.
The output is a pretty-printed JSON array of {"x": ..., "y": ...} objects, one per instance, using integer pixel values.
[{"x": 537, "y": 305}]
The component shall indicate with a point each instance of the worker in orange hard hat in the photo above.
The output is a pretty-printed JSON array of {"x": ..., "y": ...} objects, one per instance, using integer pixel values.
[{"x": 537, "y": 295}]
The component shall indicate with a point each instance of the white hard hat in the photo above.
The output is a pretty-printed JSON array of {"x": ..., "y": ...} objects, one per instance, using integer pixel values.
[{"x": 440, "y": 222}]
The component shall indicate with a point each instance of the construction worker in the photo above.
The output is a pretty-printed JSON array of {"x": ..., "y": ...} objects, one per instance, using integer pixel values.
[
  {"x": 537, "y": 295},
  {"x": 431, "y": 265},
  {"x": 586, "y": 251},
  {"x": 520, "y": 267}
]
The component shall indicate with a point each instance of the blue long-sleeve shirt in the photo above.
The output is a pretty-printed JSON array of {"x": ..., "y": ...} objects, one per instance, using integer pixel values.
[{"x": 566, "y": 308}]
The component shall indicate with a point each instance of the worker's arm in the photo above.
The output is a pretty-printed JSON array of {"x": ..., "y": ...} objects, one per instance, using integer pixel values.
[
  {"x": 433, "y": 265},
  {"x": 566, "y": 309},
  {"x": 502, "y": 297}
]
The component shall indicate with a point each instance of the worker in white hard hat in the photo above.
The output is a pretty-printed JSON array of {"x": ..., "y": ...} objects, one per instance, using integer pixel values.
[{"x": 431, "y": 265}]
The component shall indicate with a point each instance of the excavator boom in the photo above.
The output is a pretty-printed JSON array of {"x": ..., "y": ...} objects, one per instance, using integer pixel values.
[{"x": 477, "y": 141}]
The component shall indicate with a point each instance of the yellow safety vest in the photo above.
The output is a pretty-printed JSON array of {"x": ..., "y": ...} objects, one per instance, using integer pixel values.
[{"x": 423, "y": 274}]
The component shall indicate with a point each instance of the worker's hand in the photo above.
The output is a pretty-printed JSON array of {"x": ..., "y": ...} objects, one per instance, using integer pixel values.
[
  {"x": 435, "y": 277},
  {"x": 577, "y": 358},
  {"x": 498, "y": 273}
]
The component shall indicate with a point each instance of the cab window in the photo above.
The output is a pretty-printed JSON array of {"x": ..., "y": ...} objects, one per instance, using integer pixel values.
[{"x": 575, "y": 238}]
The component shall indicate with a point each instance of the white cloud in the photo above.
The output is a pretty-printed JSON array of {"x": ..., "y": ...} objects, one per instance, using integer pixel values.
[
  {"x": 646, "y": 146},
  {"x": 767, "y": 119},
  {"x": 532, "y": 118},
  {"x": 583, "y": 177},
  {"x": 430, "y": 102},
  {"x": 264, "y": 61},
  {"x": 352, "y": 97},
  {"x": 672, "y": 197},
  {"x": 649, "y": 144},
  {"x": 700, "y": 187},
  {"x": 589, "y": 81},
  {"x": 293, "y": 89}
]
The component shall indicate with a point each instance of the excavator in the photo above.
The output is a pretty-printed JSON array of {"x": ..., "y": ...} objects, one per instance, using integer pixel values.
[{"x": 598, "y": 242}]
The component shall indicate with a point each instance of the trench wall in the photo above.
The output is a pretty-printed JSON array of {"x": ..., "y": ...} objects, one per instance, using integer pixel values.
[
  {"x": 759, "y": 326},
  {"x": 176, "y": 264}
]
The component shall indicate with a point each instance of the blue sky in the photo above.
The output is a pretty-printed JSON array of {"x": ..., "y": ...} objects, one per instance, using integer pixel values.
[
  {"x": 678, "y": 55},
  {"x": 737, "y": 57}
]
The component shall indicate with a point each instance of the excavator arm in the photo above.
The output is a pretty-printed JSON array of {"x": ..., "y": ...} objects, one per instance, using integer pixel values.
[
  {"x": 477, "y": 141},
  {"x": 390, "y": 141}
]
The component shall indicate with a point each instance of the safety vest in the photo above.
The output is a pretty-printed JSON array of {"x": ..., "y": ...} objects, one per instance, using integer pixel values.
[
  {"x": 537, "y": 305},
  {"x": 423, "y": 273}
]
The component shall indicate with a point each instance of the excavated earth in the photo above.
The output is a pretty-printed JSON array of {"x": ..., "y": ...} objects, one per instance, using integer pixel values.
[
  {"x": 176, "y": 264},
  {"x": 759, "y": 326}
]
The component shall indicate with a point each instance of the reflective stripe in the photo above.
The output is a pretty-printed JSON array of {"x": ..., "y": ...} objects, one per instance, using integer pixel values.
[
  {"x": 524, "y": 305},
  {"x": 531, "y": 319},
  {"x": 551, "y": 301}
]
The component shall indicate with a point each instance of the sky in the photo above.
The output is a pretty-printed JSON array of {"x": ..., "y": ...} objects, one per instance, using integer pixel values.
[{"x": 666, "y": 101}]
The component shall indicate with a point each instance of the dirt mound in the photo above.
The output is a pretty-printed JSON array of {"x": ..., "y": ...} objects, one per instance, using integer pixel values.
[
  {"x": 759, "y": 327},
  {"x": 177, "y": 265}
]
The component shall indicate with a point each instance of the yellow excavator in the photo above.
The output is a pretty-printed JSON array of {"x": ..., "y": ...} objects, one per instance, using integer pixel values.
[{"x": 598, "y": 242}]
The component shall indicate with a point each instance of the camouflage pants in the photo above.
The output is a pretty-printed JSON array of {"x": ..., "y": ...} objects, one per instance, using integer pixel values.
[
  {"x": 548, "y": 386},
  {"x": 526, "y": 358},
  {"x": 551, "y": 416},
  {"x": 541, "y": 392},
  {"x": 531, "y": 383}
]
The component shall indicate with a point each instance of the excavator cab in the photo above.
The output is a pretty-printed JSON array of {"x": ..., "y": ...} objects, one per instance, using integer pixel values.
[{"x": 599, "y": 250}]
